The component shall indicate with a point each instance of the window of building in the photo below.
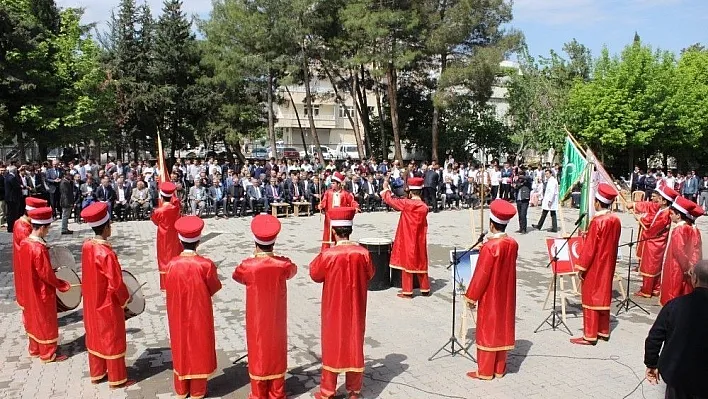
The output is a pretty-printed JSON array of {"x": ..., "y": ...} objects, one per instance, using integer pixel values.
[
  {"x": 315, "y": 110},
  {"x": 343, "y": 114}
]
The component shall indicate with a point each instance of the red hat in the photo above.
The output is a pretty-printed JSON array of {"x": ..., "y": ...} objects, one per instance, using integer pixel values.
[
  {"x": 34, "y": 203},
  {"x": 415, "y": 183},
  {"x": 95, "y": 214},
  {"x": 696, "y": 212},
  {"x": 167, "y": 189},
  {"x": 667, "y": 192},
  {"x": 265, "y": 229},
  {"x": 501, "y": 211},
  {"x": 341, "y": 216},
  {"x": 41, "y": 215},
  {"x": 338, "y": 177},
  {"x": 606, "y": 193},
  {"x": 683, "y": 205},
  {"x": 189, "y": 228}
]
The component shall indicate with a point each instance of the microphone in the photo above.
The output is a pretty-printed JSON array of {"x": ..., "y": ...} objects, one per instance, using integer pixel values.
[
  {"x": 481, "y": 238},
  {"x": 580, "y": 218}
]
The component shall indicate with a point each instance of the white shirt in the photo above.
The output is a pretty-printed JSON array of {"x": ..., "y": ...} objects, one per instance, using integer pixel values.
[
  {"x": 495, "y": 177},
  {"x": 121, "y": 194},
  {"x": 335, "y": 199}
]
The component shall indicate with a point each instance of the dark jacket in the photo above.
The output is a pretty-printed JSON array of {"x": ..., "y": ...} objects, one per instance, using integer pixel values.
[
  {"x": 105, "y": 194},
  {"x": 2, "y": 187},
  {"x": 523, "y": 188},
  {"x": 682, "y": 328},
  {"x": 66, "y": 193},
  {"x": 13, "y": 188},
  {"x": 431, "y": 179}
]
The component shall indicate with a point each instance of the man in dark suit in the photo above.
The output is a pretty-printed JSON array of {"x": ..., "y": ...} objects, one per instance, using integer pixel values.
[
  {"x": 634, "y": 179},
  {"x": 523, "y": 197},
  {"x": 257, "y": 197},
  {"x": 292, "y": 189},
  {"x": 105, "y": 193},
  {"x": 123, "y": 192},
  {"x": 274, "y": 192},
  {"x": 371, "y": 194},
  {"x": 53, "y": 179},
  {"x": 431, "y": 183},
  {"x": 236, "y": 196},
  {"x": 681, "y": 329},
  {"x": 66, "y": 192},
  {"x": 468, "y": 192},
  {"x": 13, "y": 197},
  {"x": 317, "y": 190}
]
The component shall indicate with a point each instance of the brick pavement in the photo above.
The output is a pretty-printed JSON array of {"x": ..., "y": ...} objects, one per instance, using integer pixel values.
[{"x": 400, "y": 337}]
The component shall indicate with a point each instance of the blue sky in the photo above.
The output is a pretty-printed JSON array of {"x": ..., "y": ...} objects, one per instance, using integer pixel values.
[{"x": 668, "y": 24}]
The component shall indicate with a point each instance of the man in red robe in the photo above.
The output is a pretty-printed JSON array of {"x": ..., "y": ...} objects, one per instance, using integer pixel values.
[
  {"x": 335, "y": 197},
  {"x": 164, "y": 217},
  {"x": 265, "y": 276},
  {"x": 697, "y": 251},
  {"x": 410, "y": 248},
  {"x": 345, "y": 269},
  {"x": 679, "y": 260},
  {"x": 104, "y": 296},
  {"x": 654, "y": 238},
  {"x": 190, "y": 282},
  {"x": 21, "y": 230},
  {"x": 596, "y": 267},
  {"x": 493, "y": 291},
  {"x": 39, "y": 286}
]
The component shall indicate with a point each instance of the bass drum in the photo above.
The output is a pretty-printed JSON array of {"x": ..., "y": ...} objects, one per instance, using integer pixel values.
[
  {"x": 380, "y": 252},
  {"x": 71, "y": 299},
  {"x": 136, "y": 305}
]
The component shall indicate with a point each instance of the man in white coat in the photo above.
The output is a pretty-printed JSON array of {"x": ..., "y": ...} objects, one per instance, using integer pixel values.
[{"x": 550, "y": 202}]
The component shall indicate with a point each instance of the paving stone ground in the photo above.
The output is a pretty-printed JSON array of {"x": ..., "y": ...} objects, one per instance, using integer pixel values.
[{"x": 400, "y": 337}]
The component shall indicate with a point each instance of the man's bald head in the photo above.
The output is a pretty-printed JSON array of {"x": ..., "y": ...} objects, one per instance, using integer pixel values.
[{"x": 700, "y": 274}]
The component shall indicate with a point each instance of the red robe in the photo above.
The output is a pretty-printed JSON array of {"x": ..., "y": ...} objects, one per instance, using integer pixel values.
[
  {"x": 265, "y": 277},
  {"x": 410, "y": 248},
  {"x": 654, "y": 238},
  {"x": 190, "y": 282},
  {"x": 168, "y": 245},
  {"x": 104, "y": 295},
  {"x": 493, "y": 287},
  {"x": 598, "y": 260},
  {"x": 697, "y": 250},
  {"x": 40, "y": 286},
  {"x": 346, "y": 199},
  {"x": 679, "y": 257},
  {"x": 345, "y": 269},
  {"x": 20, "y": 230},
  {"x": 648, "y": 210}
]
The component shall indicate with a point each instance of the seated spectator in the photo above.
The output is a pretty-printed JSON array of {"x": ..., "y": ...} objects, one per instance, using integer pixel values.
[
  {"x": 468, "y": 192},
  {"x": 448, "y": 193},
  {"x": 218, "y": 198},
  {"x": 236, "y": 196},
  {"x": 197, "y": 197},
  {"x": 371, "y": 194},
  {"x": 273, "y": 192},
  {"x": 257, "y": 196},
  {"x": 123, "y": 193},
  {"x": 140, "y": 199},
  {"x": 88, "y": 192}
]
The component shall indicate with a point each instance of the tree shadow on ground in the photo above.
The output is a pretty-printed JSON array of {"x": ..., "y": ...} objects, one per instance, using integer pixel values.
[
  {"x": 382, "y": 372},
  {"x": 74, "y": 347},
  {"x": 517, "y": 356},
  {"x": 69, "y": 318},
  {"x": 144, "y": 368},
  {"x": 232, "y": 379}
]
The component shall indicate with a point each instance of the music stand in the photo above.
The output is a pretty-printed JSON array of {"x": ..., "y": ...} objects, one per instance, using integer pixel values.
[
  {"x": 554, "y": 319},
  {"x": 453, "y": 339},
  {"x": 628, "y": 303}
]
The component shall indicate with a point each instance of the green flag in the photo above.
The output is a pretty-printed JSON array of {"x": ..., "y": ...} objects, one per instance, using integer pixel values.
[
  {"x": 573, "y": 166},
  {"x": 586, "y": 196}
]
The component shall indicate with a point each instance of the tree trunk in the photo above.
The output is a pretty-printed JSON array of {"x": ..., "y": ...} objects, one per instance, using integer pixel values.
[
  {"x": 393, "y": 103},
  {"x": 299, "y": 124},
  {"x": 365, "y": 117},
  {"x": 630, "y": 161},
  {"x": 382, "y": 121},
  {"x": 271, "y": 121},
  {"x": 436, "y": 113},
  {"x": 21, "y": 147},
  {"x": 357, "y": 112},
  {"x": 340, "y": 102},
  {"x": 239, "y": 154},
  {"x": 308, "y": 104}
]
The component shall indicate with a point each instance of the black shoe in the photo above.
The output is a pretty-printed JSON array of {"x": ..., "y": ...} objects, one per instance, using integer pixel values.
[
  {"x": 67, "y": 232},
  {"x": 553, "y": 230},
  {"x": 519, "y": 231},
  {"x": 535, "y": 226}
]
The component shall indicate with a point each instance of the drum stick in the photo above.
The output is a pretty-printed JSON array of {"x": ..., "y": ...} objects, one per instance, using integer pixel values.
[
  {"x": 75, "y": 285},
  {"x": 136, "y": 291}
]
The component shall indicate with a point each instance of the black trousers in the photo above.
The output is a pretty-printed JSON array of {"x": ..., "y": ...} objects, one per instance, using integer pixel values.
[
  {"x": 505, "y": 191},
  {"x": 673, "y": 392},
  {"x": 429, "y": 197},
  {"x": 495, "y": 192},
  {"x": 523, "y": 208},
  {"x": 13, "y": 213},
  {"x": 554, "y": 220},
  {"x": 54, "y": 202}
]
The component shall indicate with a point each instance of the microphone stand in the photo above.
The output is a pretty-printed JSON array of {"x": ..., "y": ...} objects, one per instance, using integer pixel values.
[
  {"x": 554, "y": 319},
  {"x": 628, "y": 303},
  {"x": 453, "y": 339}
]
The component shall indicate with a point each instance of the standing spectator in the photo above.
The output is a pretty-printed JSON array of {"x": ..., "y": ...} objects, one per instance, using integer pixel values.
[
  {"x": 317, "y": 190},
  {"x": 703, "y": 190},
  {"x": 494, "y": 181},
  {"x": 690, "y": 187},
  {"x": 676, "y": 346},
  {"x": 634, "y": 179},
  {"x": 66, "y": 201},
  {"x": 506, "y": 179},
  {"x": 3, "y": 205},
  {"x": 13, "y": 197},
  {"x": 523, "y": 197},
  {"x": 430, "y": 186},
  {"x": 549, "y": 203},
  {"x": 670, "y": 180},
  {"x": 650, "y": 183},
  {"x": 53, "y": 178}
]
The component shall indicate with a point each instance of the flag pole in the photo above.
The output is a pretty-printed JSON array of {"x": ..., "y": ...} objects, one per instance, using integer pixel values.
[{"x": 577, "y": 144}]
